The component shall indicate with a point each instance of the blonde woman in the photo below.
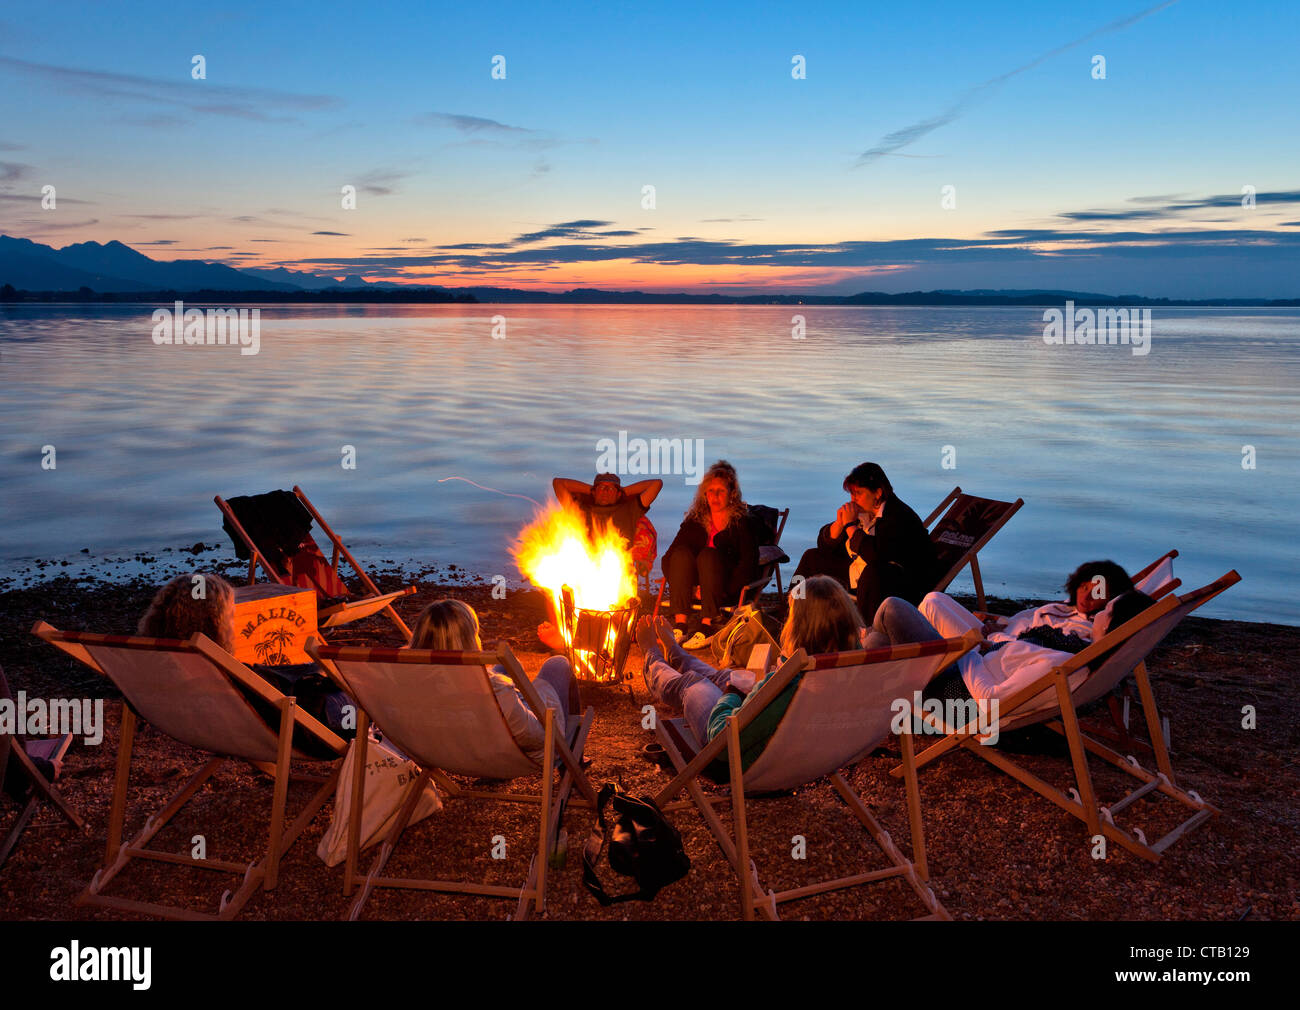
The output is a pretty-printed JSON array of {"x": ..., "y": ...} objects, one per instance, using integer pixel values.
[
  {"x": 823, "y": 618},
  {"x": 452, "y": 626},
  {"x": 714, "y": 551}
]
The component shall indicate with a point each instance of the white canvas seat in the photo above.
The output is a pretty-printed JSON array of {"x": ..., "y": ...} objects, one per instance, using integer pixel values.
[
  {"x": 198, "y": 694},
  {"x": 440, "y": 710},
  {"x": 844, "y": 706}
]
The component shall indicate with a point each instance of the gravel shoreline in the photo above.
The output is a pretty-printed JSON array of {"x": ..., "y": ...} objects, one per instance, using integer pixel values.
[{"x": 996, "y": 850}]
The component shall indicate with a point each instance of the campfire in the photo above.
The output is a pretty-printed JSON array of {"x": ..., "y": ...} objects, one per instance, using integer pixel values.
[{"x": 592, "y": 586}]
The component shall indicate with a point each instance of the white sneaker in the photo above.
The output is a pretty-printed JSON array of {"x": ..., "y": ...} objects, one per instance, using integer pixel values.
[{"x": 697, "y": 641}]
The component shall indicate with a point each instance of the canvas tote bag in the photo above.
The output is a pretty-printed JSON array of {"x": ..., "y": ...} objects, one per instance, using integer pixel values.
[{"x": 388, "y": 774}]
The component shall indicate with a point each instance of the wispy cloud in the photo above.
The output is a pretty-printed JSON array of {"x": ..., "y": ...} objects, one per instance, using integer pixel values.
[
  {"x": 891, "y": 143},
  {"x": 469, "y": 124},
  {"x": 199, "y": 97}
]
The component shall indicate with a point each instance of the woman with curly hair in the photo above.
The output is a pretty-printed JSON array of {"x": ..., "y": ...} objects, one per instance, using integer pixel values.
[
  {"x": 714, "y": 551},
  {"x": 205, "y": 604},
  {"x": 189, "y": 604}
]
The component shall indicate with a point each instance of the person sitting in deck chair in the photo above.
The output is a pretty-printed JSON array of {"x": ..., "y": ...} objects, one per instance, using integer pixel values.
[
  {"x": 175, "y": 612},
  {"x": 1100, "y": 596},
  {"x": 715, "y": 553},
  {"x": 876, "y": 545},
  {"x": 606, "y": 504},
  {"x": 452, "y": 626},
  {"x": 822, "y": 618}
]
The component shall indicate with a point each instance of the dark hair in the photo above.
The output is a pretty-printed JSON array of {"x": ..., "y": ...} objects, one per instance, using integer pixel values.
[
  {"x": 1117, "y": 580},
  {"x": 870, "y": 476}
]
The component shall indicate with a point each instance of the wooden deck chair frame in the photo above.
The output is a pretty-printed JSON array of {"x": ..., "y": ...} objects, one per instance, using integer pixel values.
[
  {"x": 1063, "y": 718},
  {"x": 262, "y": 873},
  {"x": 971, "y": 555},
  {"x": 42, "y": 789},
  {"x": 339, "y": 613},
  {"x": 551, "y": 799},
  {"x": 677, "y": 741}
]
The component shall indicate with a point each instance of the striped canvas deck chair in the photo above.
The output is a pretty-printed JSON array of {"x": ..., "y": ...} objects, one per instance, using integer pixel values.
[
  {"x": 1105, "y": 664},
  {"x": 440, "y": 710},
  {"x": 842, "y": 709},
  {"x": 272, "y": 542},
  {"x": 199, "y": 695},
  {"x": 967, "y": 524},
  {"x": 17, "y": 766}
]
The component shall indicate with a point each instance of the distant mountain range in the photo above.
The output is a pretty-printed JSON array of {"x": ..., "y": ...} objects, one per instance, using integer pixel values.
[{"x": 113, "y": 271}]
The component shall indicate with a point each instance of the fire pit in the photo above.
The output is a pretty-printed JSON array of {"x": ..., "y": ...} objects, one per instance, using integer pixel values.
[
  {"x": 592, "y": 585},
  {"x": 598, "y": 640}
]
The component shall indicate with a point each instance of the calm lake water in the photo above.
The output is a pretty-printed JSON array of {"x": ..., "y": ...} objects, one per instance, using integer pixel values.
[{"x": 1116, "y": 455}]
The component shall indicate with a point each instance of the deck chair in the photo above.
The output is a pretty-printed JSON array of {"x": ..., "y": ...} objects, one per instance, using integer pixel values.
[
  {"x": 16, "y": 761},
  {"x": 439, "y": 709},
  {"x": 199, "y": 695},
  {"x": 967, "y": 524},
  {"x": 270, "y": 529},
  {"x": 841, "y": 710},
  {"x": 1157, "y": 581},
  {"x": 1122, "y": 652}
]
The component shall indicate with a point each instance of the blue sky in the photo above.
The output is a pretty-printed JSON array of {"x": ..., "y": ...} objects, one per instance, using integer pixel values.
[{"x": 759, "y": 178}]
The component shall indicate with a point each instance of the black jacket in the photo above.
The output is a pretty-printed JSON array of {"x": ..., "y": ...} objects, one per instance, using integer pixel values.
[
  {"x": 900, "y": 539},
  {"x": 737, "y": 544}
]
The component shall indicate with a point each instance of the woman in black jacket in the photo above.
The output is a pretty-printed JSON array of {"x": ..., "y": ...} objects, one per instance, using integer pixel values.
[{"x": 715, "y": 551}]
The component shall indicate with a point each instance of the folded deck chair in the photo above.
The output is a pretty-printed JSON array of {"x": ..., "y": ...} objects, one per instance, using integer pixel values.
[
  {"x": 16, "y": 762},
  {"x": 199, "y": 695},
  {"x": 842, "y": 709},
  {"x": 440, "y": 710},
  {"x": 1122, "y": 652},
  {"x": 967, "y": 524},
  {"x": 274, "y": 530}
]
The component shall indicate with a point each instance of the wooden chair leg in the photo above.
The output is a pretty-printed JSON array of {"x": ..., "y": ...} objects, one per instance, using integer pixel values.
[
  {"x": 117, "y": 812},
  {"x": 548, "y": 784},
  {"x": 280, "y": 793},
  {"x": 914, "y": 806},
  {"x": 1078, "y": 755},
  {"x": 1154, "y": 729},
  {"x": 361, "y": 745},
  {"x": 738, "y": 816}
]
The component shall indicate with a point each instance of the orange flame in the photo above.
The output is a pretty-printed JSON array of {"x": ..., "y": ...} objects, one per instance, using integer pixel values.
[{"x": 554, "y": 551}]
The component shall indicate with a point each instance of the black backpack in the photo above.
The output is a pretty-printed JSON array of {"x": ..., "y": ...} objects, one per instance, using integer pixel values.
[{"x": 642, "y": 845}]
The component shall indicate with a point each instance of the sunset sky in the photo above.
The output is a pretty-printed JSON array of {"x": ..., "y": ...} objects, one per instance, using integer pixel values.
[{"x": 833, "y": 183}]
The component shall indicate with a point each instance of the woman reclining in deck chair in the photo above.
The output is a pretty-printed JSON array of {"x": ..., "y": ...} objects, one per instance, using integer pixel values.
[
  {"x": 823, "y": 618},
  {"x": 452, "y": 626},
  {"x": 175, "y": 612},
  {"x": 1100, "y": 595}
]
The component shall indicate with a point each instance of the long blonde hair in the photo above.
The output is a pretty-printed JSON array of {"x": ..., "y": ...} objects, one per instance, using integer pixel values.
[
  {"x": 823, "y": 618},
  {"x": 175, "y": 612},
  {"x": 447, "y": 626},
  {"x": 736, "y": 507}
]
